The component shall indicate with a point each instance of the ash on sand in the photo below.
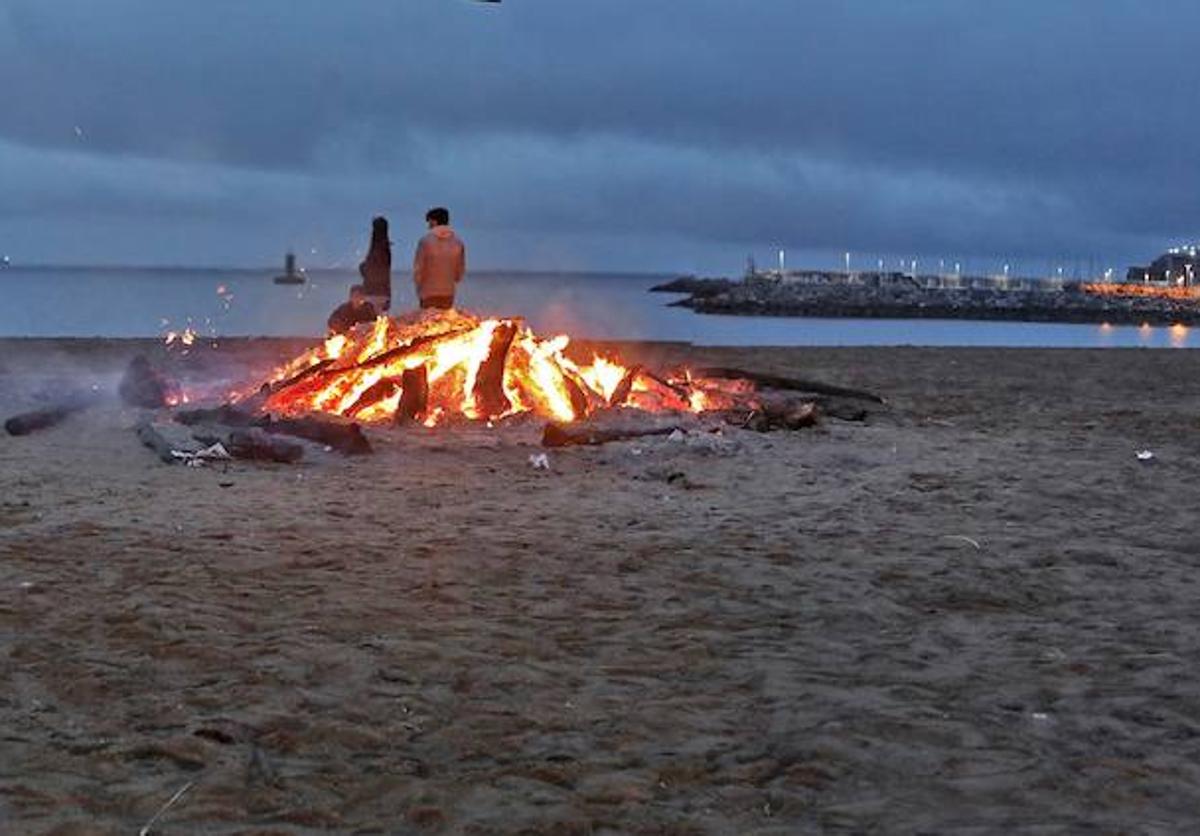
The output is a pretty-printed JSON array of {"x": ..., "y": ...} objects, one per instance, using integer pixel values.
[{"x": 975, "y": 615}]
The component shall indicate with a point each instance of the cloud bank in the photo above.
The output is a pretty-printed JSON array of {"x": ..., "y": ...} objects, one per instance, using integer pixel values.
[{"x": 615, "y": 134}]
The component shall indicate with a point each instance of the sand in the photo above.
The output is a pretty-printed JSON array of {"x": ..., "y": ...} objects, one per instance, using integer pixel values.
[{"x": 975, "y": 613}]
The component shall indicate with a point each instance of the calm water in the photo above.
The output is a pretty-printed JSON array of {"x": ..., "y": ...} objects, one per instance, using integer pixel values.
[{"x": 141, "y": 303}]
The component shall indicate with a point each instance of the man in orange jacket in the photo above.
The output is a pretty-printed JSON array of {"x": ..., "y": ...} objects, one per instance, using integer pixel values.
[{"x": 439, "y": 263}]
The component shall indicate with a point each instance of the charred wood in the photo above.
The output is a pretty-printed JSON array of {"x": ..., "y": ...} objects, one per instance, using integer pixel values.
[
  {"x": 142, "y": 386},
  {"x": 315, "y": 368},
  {"x": 152, "y": 438},
  {"x": 489, "y": 380},
  {"x": 767, "y": 381},
  {"x": 580, "y": 405},
  {"x": 680, "y": 391},
  {"x": 790, "y": 415},
  {"x": 776, "y": 414},
  {"x": 347, "y": 439},
  {"x": 842, "y": 410},
  {"x": 41, "y": 419},
  {"x": 344, "y": 437},
  {"x": 414, "y": 395},
  {"x": 555, "y": 435},
  {"x": 258, "y": 445},
  {"x": 621, "y": 393},
  {"x": 317, "y": 374},
  {"x": 227, "y": 414},
  {"x": 380, "y": 391}
]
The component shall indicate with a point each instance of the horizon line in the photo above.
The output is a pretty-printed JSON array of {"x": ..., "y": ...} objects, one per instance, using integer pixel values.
[{"x": 200, "y": 268}]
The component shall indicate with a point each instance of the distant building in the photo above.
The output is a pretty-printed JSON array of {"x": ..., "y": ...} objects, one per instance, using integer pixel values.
[{"x": 1177, "y": 267}]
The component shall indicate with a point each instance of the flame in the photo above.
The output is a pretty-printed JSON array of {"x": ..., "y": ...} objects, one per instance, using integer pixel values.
[
  {"x": 474, "y": 369},
  {"x": 186, "y": 337}
]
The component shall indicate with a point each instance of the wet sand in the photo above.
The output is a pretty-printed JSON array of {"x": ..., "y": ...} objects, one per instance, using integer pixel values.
[{"x": 975, "y": 613}]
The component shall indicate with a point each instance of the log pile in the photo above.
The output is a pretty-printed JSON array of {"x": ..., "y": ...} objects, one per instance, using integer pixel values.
[
  {"x": 343, "y": 436},
  {"x": 247, "y": 429}
]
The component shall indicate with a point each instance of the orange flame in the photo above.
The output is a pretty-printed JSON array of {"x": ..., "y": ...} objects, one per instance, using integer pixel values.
[{"x": 476, "y": 369}]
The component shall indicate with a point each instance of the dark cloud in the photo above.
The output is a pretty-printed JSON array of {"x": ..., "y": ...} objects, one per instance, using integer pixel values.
[{"x": 1028, "y": 129}]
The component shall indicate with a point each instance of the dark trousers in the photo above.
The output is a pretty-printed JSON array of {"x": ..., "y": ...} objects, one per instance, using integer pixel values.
[{"x": 445, "y": 303}]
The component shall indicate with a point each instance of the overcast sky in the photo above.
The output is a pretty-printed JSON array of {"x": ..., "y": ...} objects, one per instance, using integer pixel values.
[{"x": 670, "y": 135}]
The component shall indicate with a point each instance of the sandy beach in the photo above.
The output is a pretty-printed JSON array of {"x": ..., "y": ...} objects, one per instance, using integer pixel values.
[{"x": 973, "y": 613}]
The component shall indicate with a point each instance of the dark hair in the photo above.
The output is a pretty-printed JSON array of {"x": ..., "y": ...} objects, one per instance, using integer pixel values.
[
  {"x": 357, "y": 288},
  {"x": 440, "y": 215},
  {"x": 379, "y": 230}
]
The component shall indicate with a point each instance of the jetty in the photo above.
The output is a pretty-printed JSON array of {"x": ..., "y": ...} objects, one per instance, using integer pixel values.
[{"x": 896, "y": 295}]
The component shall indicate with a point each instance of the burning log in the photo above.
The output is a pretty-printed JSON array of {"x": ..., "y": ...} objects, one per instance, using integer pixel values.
[
  {"x": 555, "y": 435},
  {"x": 414, "y": 395},
  {"x": 767, "y": 381},
  {"x": 40, "y": 419},
  {"x": 347, "y": 439},
  {"x": 580, "y": 404},
  {"x": 391, "y": 355},
  {"x": 380, "y": 391},
  {"x": 317, "y": 376},
  {"x": 143, "y": 386},
  {"x": 489, "y": 395},
  {"x": 271, "y": 388},
  {"x": 621, "y": 393},
  {"x": 399, "y": 351}
]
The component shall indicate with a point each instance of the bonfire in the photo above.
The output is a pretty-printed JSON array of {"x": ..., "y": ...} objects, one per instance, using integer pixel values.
[{"x": 447, "y": 366}]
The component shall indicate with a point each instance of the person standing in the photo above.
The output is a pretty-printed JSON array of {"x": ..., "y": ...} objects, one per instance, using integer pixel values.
[
  {"x": 376, "y": 268},
  {"x": 439, "y": 263}
]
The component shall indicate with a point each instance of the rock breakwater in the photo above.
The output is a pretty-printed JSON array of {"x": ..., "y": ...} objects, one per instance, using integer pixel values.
[{"x": 873, "y": 298}]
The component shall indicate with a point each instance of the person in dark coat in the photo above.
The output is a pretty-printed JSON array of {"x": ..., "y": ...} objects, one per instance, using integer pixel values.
[
  {"x": 349, "y": 314},
  {"x": 376, "y": 268}
]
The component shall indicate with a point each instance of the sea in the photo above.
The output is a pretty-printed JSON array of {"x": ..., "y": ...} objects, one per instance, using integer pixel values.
[{"x": 144, "y": 302}]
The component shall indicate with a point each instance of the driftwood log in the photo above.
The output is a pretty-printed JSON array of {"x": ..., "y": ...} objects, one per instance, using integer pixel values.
[
  {"x": 780, "y": 415},
  {"x": 556, "y": 435},
  {"x": 842, "y": 409},
  {"x": 414, "y": 395},
  {"x": 152, "y": 438},
  {"x": 226, "y": 414},
  {"x": 346, "y": 438},
  {"x": 768, "y": 381},
  {"x": 258, "y": 445},
  {"x": 41, "y": 419}
]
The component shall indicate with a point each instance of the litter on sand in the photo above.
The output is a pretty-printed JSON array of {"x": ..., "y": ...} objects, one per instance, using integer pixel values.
[
  {"x": 216, "y": 452},
  {"x": 539, "y": 461}
]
